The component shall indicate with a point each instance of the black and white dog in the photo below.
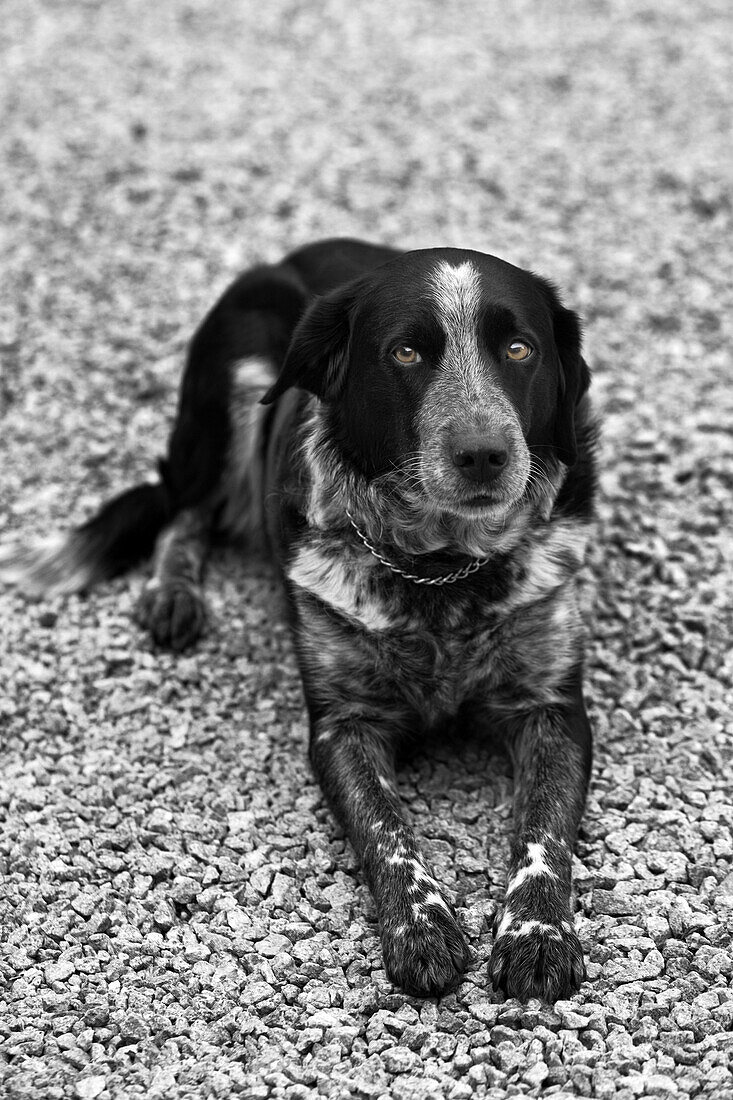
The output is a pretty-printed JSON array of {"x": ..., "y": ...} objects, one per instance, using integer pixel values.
[{"x": 410, "y": 431}]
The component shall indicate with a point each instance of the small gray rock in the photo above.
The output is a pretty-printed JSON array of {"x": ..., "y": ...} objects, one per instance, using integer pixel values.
[
  {"x": 272, "y": 945},
  {"x": 88, "y": 1088},
  {"x": 400, "y": 1059},
  {"x": 614, "y": 904},
  {"x": 58, "y": 971}
]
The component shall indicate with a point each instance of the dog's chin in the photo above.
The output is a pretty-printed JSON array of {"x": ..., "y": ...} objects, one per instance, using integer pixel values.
[{"x": 487, "y": 508}]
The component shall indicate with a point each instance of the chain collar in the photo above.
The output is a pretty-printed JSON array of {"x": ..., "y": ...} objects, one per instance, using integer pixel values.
[{"x": 446, "y": 578}]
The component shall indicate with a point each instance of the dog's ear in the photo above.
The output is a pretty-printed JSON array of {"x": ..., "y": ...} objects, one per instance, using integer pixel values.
[
  {"x": 574, "y": 381},
  {"x": 574, "y": 376},
  {"x": 319, "y": 349}
]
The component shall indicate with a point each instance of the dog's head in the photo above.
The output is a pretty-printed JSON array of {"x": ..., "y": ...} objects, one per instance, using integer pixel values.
[{"x": 449, "y": 370}]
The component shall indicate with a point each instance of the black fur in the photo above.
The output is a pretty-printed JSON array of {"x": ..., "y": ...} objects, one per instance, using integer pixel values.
[
  {"x": 355, "y": 465},
  {"x": 124, "y": 531}
]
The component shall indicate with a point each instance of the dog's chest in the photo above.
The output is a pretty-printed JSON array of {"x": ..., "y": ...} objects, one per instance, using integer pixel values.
[
  {"x": 367, "y": 632},
  {"x": 365, "y": 628}
]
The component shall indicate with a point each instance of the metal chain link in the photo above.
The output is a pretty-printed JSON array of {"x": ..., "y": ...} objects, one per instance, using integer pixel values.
[{"x": 446, "y": 578}]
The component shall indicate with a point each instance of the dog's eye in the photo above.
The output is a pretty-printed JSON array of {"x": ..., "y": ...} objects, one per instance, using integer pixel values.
[
  {"x": 518, "y": 351},
  {"x": 408, "y": 357}
]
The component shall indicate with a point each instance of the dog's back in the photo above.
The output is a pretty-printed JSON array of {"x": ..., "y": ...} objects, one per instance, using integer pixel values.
[{"x": 216, "y": 449}]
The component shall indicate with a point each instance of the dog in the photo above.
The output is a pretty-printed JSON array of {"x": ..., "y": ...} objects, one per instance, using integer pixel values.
[{"x": 411, "y": 434}]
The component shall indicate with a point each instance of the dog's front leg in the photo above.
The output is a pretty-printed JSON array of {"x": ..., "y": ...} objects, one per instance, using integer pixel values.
[
  {"x": 536, "y": 952},
  {"x": 425, "y": 952}
]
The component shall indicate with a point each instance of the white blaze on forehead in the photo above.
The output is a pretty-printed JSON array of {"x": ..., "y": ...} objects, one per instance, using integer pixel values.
[
  {"x": 457, "y": 294},
  {"x": 456, "y": 291}
]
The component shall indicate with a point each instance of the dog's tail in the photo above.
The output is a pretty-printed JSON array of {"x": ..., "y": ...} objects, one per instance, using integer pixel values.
[{"x": 121, "y": 534}]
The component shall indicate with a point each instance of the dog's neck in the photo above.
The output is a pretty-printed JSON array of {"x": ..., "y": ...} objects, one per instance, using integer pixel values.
[{"x": 391, "y": 515}]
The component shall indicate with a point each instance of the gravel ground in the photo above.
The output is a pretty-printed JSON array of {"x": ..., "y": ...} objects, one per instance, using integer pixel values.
[{"x": 182, "y": 918}]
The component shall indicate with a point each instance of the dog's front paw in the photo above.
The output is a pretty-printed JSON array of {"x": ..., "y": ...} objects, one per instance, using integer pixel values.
[
  {"x": 534, "y": 959},
  {"x": 175, "y": 614},
  {"x": 425, "y": 951}
]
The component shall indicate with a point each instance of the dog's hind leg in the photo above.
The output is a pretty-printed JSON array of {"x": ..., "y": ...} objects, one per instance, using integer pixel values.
[
  {"x": 425, "y": 952},
  {"x": 214, "y": 466},
  {"x": 172, "y": 603}
]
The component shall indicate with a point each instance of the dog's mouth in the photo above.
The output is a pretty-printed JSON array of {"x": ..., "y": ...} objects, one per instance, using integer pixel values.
[{"x": 480, "y": 506}]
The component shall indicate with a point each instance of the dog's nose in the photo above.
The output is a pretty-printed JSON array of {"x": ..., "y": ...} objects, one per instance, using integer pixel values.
[{"x": 480, "y": 457}]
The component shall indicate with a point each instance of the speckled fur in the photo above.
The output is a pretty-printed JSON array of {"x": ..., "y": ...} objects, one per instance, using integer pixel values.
[
  {"x": 342, "y": 431},
  {"x": 384, "y": 660}
]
